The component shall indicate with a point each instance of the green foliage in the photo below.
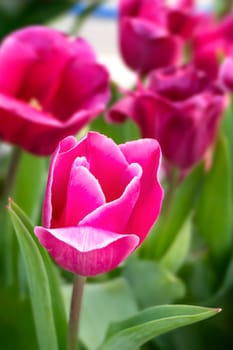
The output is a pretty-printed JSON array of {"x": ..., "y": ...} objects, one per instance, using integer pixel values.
[
  {"x": 103, "y": 303},
  {"x": 215, "y": 207},
  {"x": 134, "y": 332},
  {"x": 152, "y": 283}
]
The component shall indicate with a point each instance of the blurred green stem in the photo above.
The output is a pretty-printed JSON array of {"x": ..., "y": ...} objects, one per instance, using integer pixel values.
[
  {"x": 8, "y": 244},
  {"x": 80, "y": 19},
  {"x": 223, "y": 7},
  {"x": 12, "y": 171},
  {"x": 75, "y": 311}
]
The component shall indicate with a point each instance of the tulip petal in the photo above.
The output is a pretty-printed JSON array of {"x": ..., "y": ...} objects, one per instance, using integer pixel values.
[
  {"x": 36, "y": 131},
  {"x": 145, "y": 152},
  {"x": 44, "y": 44},
  {"x": 144, "y": 48},
  {"x": 84, "y": 195},
  {"x": 83, "y": 85},
  {"x": 114, "y": 216},
  {"x": 59, "y": 172},
  {"x": 23, "y": 125},
  {"x": 151, "y": 10},
  {"x": 107, "y": 164},
  {"x": 12, "y": 66},
  {"x": 82, "y": 48},
  {"x": 86, "y": 250},
  {"x": 178, "y": 84}
]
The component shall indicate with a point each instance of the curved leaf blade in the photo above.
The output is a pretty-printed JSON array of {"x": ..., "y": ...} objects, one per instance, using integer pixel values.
[
  {"x": 152, "y": 322},
  {"x": 53, "y": 278}
]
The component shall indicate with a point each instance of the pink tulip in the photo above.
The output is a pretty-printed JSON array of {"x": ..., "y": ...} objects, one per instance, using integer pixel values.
[
  {"x": 181, "y": 108},
  {"x": 50, "y": 87},
  {"x": 100, "y": 203},
  {"x": 144, "y": 38}
]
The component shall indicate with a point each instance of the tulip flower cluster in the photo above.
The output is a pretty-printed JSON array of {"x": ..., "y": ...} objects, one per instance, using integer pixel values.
[
  {"x": 180, "y": 104},
  {"x": 137, "y": 197}
]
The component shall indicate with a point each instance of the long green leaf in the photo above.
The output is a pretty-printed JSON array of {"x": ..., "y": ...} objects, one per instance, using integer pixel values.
[
  {"x": 178, "y": 252},
  {"x": 38, "y": 284},
  {"x": 53, "y": 278},
  {"x": 214, "y": 206},
  {"x": 152, "y": 322}
]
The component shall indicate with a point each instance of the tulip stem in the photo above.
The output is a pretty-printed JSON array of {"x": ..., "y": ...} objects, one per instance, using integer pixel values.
[{"x": 75, "y": 311}]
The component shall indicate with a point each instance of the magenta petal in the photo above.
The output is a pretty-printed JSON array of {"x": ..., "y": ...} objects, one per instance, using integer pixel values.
[
  {"x": 25, "y": 126},
  {"x": 144, "y": 50},
  {"x": 150, "y": 112},
  {"x": 86, "y": 250},
  {"x": 145, "y": 152},
  {"x": 84, "y": 194},
  {"x": 59, "y": 173},
  {"x": 152, "y": 10},
  {"x": 45, "y": 44},
  {"x": 114, "y": 216},
  {"x": 83, "y": 85},
  {"x": 13, "y": 66},
  {"x": 102, "y": 152},
  {"x": 82, "y": 49}
]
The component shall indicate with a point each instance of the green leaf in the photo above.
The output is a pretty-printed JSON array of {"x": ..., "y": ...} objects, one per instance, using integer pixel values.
[
  {"x": 102, "y": 304},
  {"x": 136, "y": 331},
  {"x": 177, "y": 253},
  {"x": 170, "y": 223},
  {"x": 44, "y": 284},
  {"x": 214, "y": 206},
  {"x": 152, "y": 283}
]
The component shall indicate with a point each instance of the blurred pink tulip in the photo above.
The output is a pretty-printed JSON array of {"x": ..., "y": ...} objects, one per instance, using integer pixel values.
[
  {"x": 50, "y": 87},
  {"x": 100, "y": 203},
  {"x": 180, "y": 108},
  {"x": 144, "y": 38}
]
